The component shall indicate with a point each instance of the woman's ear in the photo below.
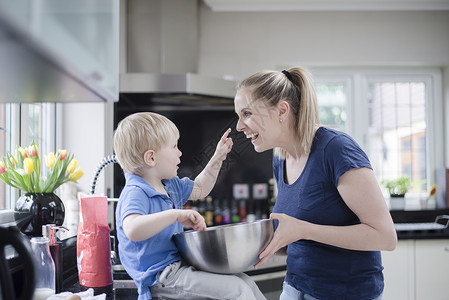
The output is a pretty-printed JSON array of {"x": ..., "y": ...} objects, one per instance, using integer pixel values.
[
  {"x": 149, "y": 158},
  {"x": 284, "y": 109}
]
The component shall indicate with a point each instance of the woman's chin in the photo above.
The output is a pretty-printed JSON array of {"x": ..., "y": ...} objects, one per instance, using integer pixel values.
[{"x": 259, "y": 148}]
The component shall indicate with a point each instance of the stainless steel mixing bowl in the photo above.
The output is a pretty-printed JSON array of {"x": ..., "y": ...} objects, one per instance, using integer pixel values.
[{"x": 225, "y": 249}]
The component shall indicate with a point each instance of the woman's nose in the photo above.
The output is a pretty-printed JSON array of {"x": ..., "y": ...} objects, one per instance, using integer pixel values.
[{"x": 239, "y": 126}]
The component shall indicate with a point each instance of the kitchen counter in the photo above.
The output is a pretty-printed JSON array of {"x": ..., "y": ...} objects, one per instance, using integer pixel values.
[
  {"x": 124, "y": 288},
  {"x": 420, "y": 216}
]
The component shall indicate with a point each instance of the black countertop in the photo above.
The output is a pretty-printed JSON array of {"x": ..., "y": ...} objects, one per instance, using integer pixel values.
[{"x": 420, "y": 216}]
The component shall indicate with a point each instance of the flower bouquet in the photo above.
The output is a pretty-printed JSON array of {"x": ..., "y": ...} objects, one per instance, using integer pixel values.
[
  {"x": 39, "y": 205},
  {"x": 23, "y": 170}
]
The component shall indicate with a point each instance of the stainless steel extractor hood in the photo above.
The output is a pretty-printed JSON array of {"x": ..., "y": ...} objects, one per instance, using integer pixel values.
[
  {"x": 192, "y": 89},
  {"x": 160, "y": 48}
]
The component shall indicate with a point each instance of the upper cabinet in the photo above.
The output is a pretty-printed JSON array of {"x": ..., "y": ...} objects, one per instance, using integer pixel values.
[{"x": 59, "y": 50}]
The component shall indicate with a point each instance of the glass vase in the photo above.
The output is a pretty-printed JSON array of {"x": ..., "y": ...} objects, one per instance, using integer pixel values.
[{"x": 32, "y": 210}]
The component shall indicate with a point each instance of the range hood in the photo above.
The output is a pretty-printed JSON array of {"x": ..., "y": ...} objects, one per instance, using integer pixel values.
[
  {"x": 160, "y": 47},
  {"x": 178, "y": 89}
]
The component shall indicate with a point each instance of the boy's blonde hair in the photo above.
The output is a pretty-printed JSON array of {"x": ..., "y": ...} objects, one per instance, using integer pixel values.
[{"x": 138, "y": 133}]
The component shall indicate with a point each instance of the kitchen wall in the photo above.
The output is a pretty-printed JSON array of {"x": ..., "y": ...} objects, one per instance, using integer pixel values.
[
  {"x": 239, "y": 44},
  {"x": 236, "y": 44},
  {"x": 87, "y": 132}
]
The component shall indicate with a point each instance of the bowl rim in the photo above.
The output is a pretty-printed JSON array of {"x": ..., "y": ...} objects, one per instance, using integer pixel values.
[{"x": 220, "y": 227}]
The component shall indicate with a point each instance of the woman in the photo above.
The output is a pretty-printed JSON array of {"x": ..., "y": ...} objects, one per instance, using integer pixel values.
[{"x": 331, "y": 212}]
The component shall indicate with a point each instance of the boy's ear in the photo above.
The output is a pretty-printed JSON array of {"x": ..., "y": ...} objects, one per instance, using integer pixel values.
[{"x": 149, "y": 158}]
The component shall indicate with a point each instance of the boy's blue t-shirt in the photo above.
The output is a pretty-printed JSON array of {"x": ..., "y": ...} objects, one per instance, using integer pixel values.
[
  {"x": 324, "y": 271},
  {"x": 143, "y": 260}
]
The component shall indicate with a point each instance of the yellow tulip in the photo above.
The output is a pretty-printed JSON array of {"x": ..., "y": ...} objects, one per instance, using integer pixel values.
[
  {"x": 50, "y": 160},
  {"x": 72, "y": 165},
  {"x": 77, "y": 175},
  {"x": 2, "y": 167},
  {"x": 28, "y": 165}
]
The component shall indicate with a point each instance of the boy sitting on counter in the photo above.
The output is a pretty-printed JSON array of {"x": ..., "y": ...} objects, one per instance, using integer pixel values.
[{"x": 150, "y": 210}]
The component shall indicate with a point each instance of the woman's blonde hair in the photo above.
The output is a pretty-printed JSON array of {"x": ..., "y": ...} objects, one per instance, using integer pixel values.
[
  {"x": 138, "y": 133},
  {"x": 295, "y": 86}
]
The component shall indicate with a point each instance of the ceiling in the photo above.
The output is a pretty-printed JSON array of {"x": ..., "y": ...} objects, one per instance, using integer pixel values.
[{"x": 324, "y": 5}]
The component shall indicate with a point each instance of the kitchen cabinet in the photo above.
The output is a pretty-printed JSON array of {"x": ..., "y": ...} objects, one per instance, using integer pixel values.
[
  {"x": 399, "y": 271},
  {"x": 59, "y": 50},
  {"x": 431, "y": 265},
  {"x": 416, "y": 270}
]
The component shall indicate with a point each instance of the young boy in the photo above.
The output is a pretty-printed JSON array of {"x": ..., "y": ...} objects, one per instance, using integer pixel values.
[{"x": 150, "y": 211}]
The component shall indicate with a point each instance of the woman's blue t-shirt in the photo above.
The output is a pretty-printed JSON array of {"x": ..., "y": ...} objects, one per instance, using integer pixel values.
[
  {"x": 324, "y": 271},
  {"x": 143, "y": 260}
]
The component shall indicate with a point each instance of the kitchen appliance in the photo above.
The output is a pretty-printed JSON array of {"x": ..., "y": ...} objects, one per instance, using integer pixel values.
[
  {"x": 17, "y": 277},
  {"x": 160, "y": 40},
  {"x": 225, "y": 249}
]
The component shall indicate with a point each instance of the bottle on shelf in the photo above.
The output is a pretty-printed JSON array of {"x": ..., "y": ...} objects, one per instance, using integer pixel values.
[
  {"x": 271, "y": 194},
  {"x": 235, "y": 218},
  {"x": 226, "y": 212},
  {"x": 242, "y": 210},
  {"x": 218, "y": 216},
  {"x": 260, "y": 212},
  {"x": 260, "y": 196},
  {"x": 241, "y": 194},
  {"x": 251, "y": 213},
  {"x": 209, "y": 212}
]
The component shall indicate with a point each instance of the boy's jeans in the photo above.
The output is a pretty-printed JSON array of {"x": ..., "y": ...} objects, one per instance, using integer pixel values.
[{"x": 182, "y": 281}]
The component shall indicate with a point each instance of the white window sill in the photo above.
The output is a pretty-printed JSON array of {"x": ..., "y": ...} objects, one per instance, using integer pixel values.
[{"x": 7, "y": 217}]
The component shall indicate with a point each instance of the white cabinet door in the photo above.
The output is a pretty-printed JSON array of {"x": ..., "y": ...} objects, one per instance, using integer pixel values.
[
  {"x": 431, "y": 269},
  {"x": 399, "y": 272}
]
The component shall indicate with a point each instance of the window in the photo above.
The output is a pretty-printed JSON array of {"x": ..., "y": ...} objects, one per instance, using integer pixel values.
[
  {"x": 331, "y": 97},
  {"x": 397, "y": 129},
  {"x": 392, "y": 114}
]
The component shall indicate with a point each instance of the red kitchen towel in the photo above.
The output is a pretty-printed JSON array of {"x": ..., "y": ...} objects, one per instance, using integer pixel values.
[{"x": 93, "y": 248}]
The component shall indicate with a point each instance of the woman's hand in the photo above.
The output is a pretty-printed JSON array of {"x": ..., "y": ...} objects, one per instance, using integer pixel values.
[
  {"x": 286, "y": 233},
  {"x": 192, "y": 219}
]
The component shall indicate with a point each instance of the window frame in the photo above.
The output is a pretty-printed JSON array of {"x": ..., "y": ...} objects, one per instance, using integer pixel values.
[{"x": 13, "y": 119}]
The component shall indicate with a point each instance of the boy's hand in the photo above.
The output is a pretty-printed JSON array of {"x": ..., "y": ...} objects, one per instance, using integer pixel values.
[
  {"x": 205, "y": 181},
  {"x": 192, "y": 219},
  {"x": 224, "y": 146}
]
